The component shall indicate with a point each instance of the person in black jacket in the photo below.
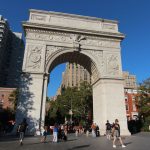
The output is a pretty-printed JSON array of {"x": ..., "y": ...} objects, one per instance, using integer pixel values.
[
  {"x": 22, "y": 129},
  {"x": 108, "y": 130}
]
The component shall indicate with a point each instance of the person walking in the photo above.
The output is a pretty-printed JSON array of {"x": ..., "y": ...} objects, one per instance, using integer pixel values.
[
  {"x": 117, "y": 134},
  {"x": 55, "y": 133},
  {"x": 44, "y": 135},
  {"x": 76, "y": 129},
  {"x": 108, "y": 130},
  {"x": 22, "y": 129},
  {"x": 93, "y": 127},
  {"x": 97, "y": 131}
]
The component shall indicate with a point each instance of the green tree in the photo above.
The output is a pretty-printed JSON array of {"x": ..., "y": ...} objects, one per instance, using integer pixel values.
[
  {"x": 79, "y": 100},
  {"x": 47, "y": 99},
  {"x": 86, "y": 97},
  {"x": 143, "y": 103}
]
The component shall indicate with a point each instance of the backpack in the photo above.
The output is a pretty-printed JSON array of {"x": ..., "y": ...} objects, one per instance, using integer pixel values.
[
  {"x": 108, "y": 126},
  {"x": 22, "y": 127}
]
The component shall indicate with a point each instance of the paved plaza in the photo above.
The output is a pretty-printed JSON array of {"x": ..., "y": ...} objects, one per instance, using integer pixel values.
[{"x": 139, "y": 141}]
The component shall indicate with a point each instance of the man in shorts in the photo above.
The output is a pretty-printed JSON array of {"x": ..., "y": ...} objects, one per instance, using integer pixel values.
[{"x": 117, "y": 134}]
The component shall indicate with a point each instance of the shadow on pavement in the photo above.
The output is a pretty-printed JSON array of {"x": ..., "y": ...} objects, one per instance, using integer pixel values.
[
  {"x": 127, "y": 143},
  {"x": 71, "y": 140},
  {"x": 78, "y": 147},
  {"x": 9, "y": 138}
]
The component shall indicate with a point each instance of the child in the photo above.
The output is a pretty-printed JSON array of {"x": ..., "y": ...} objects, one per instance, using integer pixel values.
[{"x": 44, "y": 135}]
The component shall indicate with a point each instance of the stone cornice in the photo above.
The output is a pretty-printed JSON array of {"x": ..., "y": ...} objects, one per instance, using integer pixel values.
[
  {"x": 73, "y": 15},
  {"x": 46, "y": 27},
  {"x": 117, "y": 80}
]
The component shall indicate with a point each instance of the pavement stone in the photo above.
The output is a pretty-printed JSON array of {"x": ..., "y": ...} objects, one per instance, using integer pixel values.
[{"x": 139, "y": 141}]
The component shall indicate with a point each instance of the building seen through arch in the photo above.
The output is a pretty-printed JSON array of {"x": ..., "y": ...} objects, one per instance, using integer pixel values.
[{"x": 74, "y": 74}]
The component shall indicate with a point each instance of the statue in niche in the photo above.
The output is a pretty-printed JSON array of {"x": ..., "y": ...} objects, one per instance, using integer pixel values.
[{"x": 35, "y": 58}]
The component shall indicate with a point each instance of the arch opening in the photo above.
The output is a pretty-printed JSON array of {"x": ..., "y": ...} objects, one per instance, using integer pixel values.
[{"x": 75, "y": 57}]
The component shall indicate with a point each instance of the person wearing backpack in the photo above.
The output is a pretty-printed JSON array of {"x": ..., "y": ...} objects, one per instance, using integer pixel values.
[
  {"x": 22, "y": 129},
  {"x": 108, "y": 130}
]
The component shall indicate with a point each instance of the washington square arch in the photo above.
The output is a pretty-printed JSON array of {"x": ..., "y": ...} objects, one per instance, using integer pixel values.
[{"x": 53, "y": 38}]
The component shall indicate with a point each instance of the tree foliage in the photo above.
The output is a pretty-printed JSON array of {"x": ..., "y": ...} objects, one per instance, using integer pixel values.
[
  {"x": 79, "y": 100},
  {"x": 143, "y": 103}
]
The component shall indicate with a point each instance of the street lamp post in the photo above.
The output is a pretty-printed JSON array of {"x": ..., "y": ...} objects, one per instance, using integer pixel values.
[{"x": 70, "y": 112}]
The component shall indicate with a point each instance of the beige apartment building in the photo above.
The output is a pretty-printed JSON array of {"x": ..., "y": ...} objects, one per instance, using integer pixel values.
[
  {"x": 74, "y": 75},
  {"x": 129, "y": 80}
]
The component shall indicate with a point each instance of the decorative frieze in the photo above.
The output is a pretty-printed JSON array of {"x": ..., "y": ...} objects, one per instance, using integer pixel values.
[
  {"x": 73, "y": 38},
  {"x": 48, "y": 37},
  {"x": 101, "y": 43}
]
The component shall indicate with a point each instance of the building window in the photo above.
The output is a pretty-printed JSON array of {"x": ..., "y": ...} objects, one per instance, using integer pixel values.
[
  {"x": 1, "y": 101},
  {"x": 133, "y": 98},
  {"x": 134, "y": 107},
  {"x": 126, "y": 98},
  {"x": 127, "y": 107}
]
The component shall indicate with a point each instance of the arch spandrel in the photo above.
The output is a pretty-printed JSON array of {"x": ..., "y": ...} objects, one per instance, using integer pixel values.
[{"x": 34, "y": 57}]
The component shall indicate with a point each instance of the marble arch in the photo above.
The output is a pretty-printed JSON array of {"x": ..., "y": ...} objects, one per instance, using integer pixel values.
[{"x": 53, "y": 38}]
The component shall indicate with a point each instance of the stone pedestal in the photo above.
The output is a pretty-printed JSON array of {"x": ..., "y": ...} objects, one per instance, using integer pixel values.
[
  {"x": 32, "y": 101},
  {"x": 108, "y": 104}
]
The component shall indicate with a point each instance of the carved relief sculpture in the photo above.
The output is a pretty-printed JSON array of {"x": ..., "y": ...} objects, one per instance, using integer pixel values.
[
  {"x": 34, "y": 57},
  {"x": 51, "y": 50},
  {"x": 112, "y": 65},
  {"x": 76, "y": 40}
]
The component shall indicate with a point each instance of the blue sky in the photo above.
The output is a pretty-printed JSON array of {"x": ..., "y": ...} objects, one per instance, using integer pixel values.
[{"x": 133, "y": 17}]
